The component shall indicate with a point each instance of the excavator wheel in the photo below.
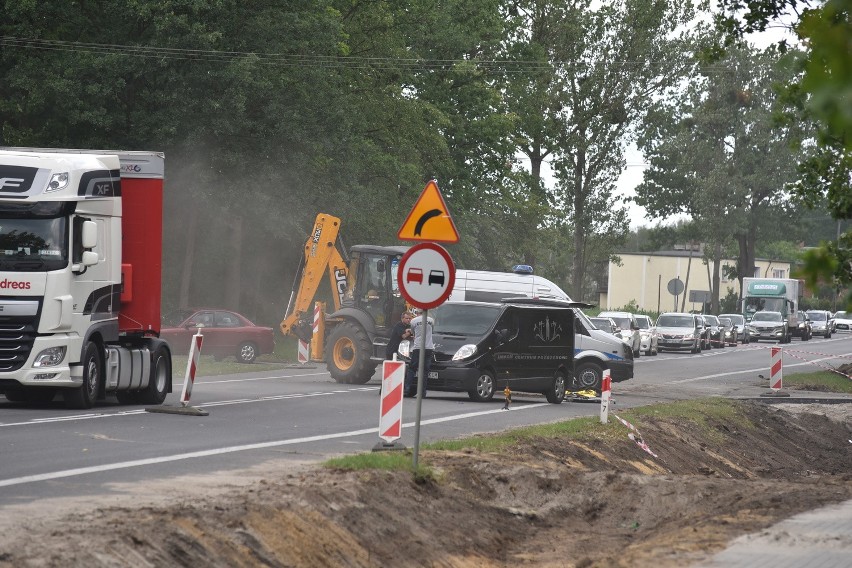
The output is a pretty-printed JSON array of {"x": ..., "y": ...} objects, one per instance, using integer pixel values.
[{"x": 348, "y": 354}]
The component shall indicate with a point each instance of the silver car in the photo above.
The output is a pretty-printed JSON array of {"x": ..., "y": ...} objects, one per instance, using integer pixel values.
[
  {"x": 843, "y": 321},
  {"x": 768, "y": 325},
  {"x": 740, "y": 323},
  {"x": 822, "y": 323},
  {"x": 650, "y": 338},
  {"x": 680, "y": 330},
  {"x": 629, "y": 329}
]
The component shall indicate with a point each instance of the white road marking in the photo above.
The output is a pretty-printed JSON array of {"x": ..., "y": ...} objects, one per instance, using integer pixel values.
[{"x": 233, "y": 449}]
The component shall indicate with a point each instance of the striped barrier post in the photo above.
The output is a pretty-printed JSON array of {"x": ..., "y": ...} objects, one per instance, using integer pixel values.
[
  {"x": 191, "y": 367},
  {"x": 606, "y": 391},
  {"x": 775, "y": 369},
  {"x": 390, "y": 410},
  {"x": 303, "y": 352},
  {"x": 318, "y": 331}
]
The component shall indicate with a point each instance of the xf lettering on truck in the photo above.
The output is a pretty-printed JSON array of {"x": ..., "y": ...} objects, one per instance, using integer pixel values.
[
  {"x": 102, "y": 189},
  {"x": 14, "y": 285},
  {"x": 340, "y": 278},
  {"x": 11, "y": 182}
]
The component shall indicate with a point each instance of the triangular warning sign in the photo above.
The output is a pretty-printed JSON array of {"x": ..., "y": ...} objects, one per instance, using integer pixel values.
[{"x": 430, "y": 219}]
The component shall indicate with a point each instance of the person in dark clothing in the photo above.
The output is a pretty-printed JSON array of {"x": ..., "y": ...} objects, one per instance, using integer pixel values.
[
  {"x": 421, "y": 327},
  {"x": 400, "y": 332}
]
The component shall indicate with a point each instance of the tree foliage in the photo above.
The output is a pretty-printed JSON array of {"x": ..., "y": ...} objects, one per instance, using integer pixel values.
[
  {"x": 270, "y": 111},
  {"x": 718, "y": 154},
  {"x": 826, "y": 91}
]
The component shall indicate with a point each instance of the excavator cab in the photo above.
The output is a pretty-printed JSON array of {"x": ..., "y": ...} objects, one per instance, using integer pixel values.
[{"x": 374, "y": 286}]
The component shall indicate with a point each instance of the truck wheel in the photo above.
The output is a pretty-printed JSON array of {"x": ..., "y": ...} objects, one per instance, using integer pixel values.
[
  {"x": 158, "y": 382},
  {"x": 348, "y": 353},
  {"x": 86, "y": 394},
  {"x": 483, "y": 391},
  {"x": 556, "y": 394},
  {"x": 588, "y": 376}
]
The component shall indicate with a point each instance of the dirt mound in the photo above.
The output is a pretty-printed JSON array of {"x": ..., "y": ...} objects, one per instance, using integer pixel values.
[{"x": 600, "y": 501}]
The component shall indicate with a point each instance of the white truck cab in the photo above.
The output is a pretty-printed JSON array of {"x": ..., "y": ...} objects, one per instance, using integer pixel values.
[{"x": 80, "y": 271}]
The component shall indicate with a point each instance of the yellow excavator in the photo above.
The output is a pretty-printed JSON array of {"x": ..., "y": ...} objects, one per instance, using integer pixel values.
[{"x": 351, "y": 338}]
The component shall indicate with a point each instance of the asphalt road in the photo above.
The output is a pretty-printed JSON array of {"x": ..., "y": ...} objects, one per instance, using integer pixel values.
[{"x": 301, "y": 414}]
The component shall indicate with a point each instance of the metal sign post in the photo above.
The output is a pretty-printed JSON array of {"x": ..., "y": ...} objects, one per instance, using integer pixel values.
[{"x": 426, "y": 277}]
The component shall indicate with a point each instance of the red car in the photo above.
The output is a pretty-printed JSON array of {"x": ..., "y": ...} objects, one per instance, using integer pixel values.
[{"x": 225, "y": 333}]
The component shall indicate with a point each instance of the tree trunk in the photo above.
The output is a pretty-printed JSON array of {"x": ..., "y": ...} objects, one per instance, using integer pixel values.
[
  {"x": 188, "y": 258},
  {"x": 232, "y": 281},
  {"x": 579, "y": 232},
  {"x": 717, "y": 280}
]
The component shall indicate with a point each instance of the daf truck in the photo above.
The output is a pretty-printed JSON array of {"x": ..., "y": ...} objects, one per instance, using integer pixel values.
[{"x": 80, "y": 276}]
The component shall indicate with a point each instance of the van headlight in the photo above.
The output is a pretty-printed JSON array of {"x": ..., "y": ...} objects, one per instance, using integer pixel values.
[{"x": 464, "y": 352}]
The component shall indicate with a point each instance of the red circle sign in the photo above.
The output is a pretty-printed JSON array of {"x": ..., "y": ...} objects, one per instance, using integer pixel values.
[{"x": 426, "y": 275}]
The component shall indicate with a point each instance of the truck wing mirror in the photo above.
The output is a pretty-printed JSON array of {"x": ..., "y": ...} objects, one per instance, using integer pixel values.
[
  {"x": 89, "y": 236},
  {"x": 90, "y": 258}
]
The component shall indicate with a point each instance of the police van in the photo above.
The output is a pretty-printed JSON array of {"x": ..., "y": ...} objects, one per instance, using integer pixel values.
[{"x": 594, "y": 350}]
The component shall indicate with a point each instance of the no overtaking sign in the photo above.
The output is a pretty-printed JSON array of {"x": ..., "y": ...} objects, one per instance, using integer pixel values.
[{"x": 426, "y": 275}]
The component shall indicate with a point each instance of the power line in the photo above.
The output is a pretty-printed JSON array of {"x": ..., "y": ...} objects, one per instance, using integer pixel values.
[{"x": 303, "y": 60}]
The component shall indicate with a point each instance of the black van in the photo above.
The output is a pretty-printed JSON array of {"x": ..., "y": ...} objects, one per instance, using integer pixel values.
[{"x": 525, "y": 343}]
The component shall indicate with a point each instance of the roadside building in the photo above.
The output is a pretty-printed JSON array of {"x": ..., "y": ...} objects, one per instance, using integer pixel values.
[{"x": 645, "y": 278}]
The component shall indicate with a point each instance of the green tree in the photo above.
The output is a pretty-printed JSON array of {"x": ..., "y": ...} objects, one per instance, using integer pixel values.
[
  {"x": 718, "y": 155},
  {"x": 826, "y": 87},
  {"x": 593, "y": 70}
]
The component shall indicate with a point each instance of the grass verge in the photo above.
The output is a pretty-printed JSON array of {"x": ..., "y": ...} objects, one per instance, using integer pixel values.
[
  {"x": 699, "y": 411},
  {"x": 821, "y": 381}
]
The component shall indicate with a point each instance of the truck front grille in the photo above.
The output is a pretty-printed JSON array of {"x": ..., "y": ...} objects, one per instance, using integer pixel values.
[{"x": 16, "y": 342}]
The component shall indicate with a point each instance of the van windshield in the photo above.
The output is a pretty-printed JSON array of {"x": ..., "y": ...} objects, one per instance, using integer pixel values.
[{"x": 465, "y": 319}]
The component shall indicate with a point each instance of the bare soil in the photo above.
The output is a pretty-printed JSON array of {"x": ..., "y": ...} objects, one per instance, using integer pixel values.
[{"x": 550, "y": 502}]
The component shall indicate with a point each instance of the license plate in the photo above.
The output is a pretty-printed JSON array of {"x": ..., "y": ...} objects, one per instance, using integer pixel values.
[{"x": 433, "y": 374}]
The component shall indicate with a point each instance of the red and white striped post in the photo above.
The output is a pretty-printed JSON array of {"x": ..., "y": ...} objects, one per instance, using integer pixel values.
[
  {"x": 775, "y": 369},
  {"x": 303, "y": 350},
  {"x": 390, "y": 413},
  {"x": 318, "y": 331},
  {"x": 191, "y": 367},
  {"x": 606, "y": 391}
]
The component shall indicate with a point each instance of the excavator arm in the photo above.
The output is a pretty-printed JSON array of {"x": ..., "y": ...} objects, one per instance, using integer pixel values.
[{"x": 321, "y": 257}]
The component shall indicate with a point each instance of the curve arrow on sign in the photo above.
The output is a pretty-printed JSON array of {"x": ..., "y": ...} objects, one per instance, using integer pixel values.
[{"x": 418, "y": 228}]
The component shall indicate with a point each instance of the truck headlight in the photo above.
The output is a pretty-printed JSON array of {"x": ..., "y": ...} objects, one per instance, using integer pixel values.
[
  {"x": 464, "y": 352},
  {"x": 50, "y": 357},
  {"x": 58, "y": 181}
]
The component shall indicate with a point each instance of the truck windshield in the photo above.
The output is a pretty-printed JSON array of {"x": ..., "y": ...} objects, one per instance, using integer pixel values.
[
  {"x": 33, "y": 238},
  {"x": 755, "y": 304}
]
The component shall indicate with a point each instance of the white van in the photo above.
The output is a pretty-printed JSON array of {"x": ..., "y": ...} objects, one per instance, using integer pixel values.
[{"x": 594, "y": 350}]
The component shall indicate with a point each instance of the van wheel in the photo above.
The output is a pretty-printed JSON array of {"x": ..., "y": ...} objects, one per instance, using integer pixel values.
[
  {"x": 484, "y": 389},
  {"x": 588, "y": 376},
  {"x": 557, "y": 392}
]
